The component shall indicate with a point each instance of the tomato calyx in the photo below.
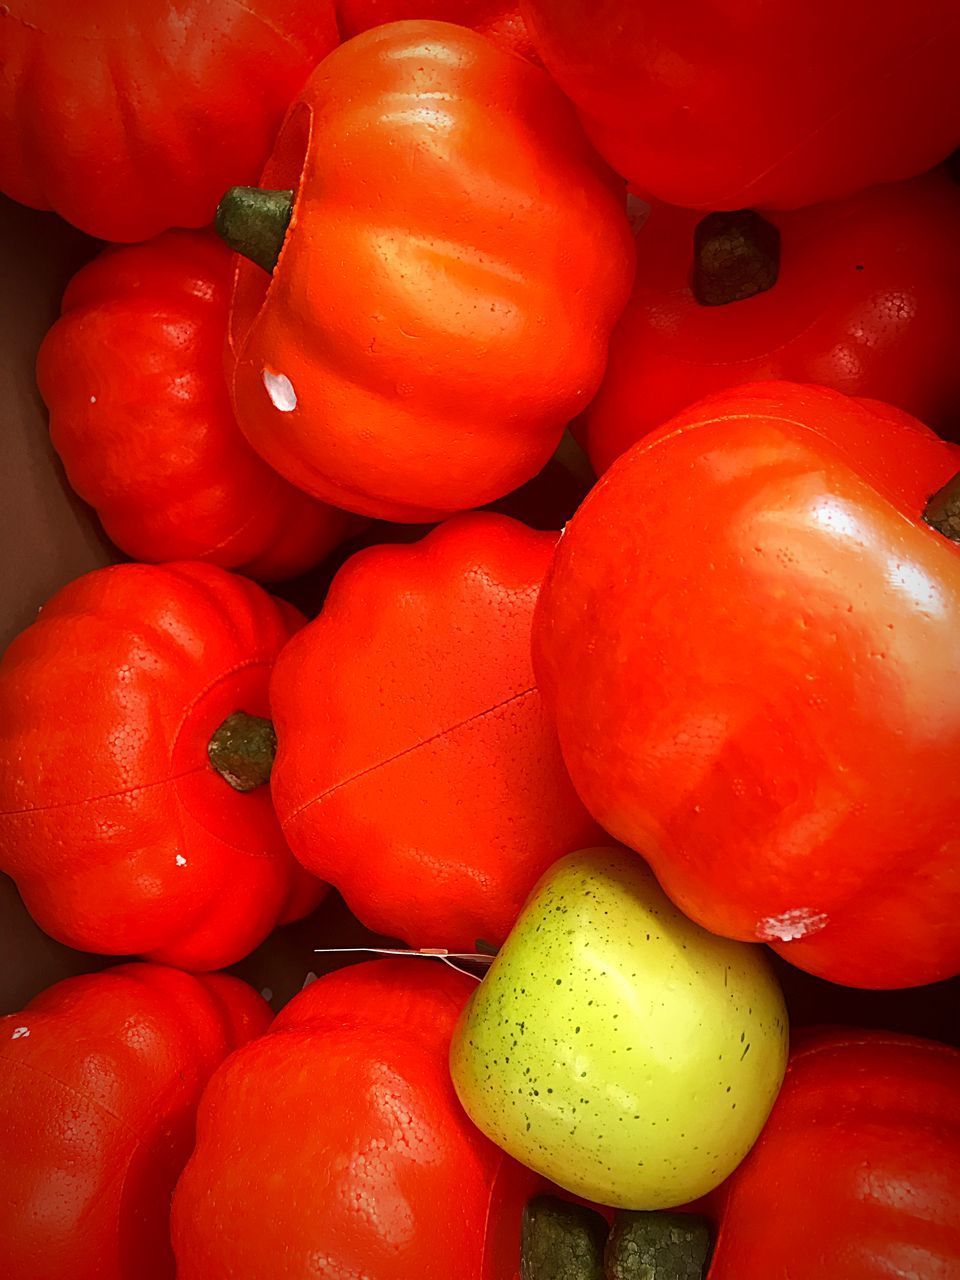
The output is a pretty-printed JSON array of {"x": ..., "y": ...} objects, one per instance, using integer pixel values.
[
  {"x": 253, "y": 221},
  {"x": 242, "y": 751},
  {"x": 565, "y": 1241},
  {"x": 657, "y": 1244},
  {"x": 561, "y": 1241},
  {"x": 736, "y": 255},
  {"x": 942, "y": 512}
]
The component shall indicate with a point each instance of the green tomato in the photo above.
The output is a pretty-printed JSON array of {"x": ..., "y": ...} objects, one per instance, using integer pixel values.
[{"x": 615, "y": 1046}]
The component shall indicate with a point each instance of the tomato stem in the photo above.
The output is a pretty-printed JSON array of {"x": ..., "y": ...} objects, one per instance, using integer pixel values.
[
  {"x": 942, "y": 512},
  {"x": 242, "y": 751},
  {"x": 254, "y": 222},
  {"x": 735, "y": 256},
  {"x": 657, "y": 1244},
  {"x": 561, "y": 1241},
  {"x": 564, "y": 1241}
]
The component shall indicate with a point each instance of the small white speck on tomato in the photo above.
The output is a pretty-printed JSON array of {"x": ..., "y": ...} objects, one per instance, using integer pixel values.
[
  {"x": 280, "y": 390},
  {"x": 792, "y": 925}
]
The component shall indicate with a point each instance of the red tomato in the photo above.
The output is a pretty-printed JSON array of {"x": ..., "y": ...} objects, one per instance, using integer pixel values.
[
  {"x": 128, "y": 118},
  {"x": 857, "y": 1173},
  {"x": 100, "y": 1077},
  {"x": 416, "y": 769},
  {"x": 120, "y": 834},
  {"x": 498, "y": 20},
  {"x": 355, "y": 16},
  {"x": 729, "y": 104},
  {"x": 866, "y": 302},
  {"x": 411, "y": 357},
  {"x": 335, "y": 1146},
  {"x": 132, "y": 374},
  {"x": 748, "y": 639}
]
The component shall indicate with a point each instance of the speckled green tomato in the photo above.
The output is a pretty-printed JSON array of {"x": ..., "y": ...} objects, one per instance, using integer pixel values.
[{"x": 615, "y": 1046}]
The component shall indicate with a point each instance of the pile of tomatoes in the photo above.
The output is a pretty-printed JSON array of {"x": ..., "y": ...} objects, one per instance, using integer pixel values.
[{"x": 384, "y": 283}]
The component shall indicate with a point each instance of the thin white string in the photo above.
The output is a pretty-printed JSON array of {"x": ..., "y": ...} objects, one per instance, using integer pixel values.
[{"x": 446, "y": 957}]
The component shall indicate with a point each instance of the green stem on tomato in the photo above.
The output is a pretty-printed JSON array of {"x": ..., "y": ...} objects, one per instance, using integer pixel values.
[
  {"x": 254, "y": 222},
  {"x": 735, "y": 256},
  {"x": 242, "y": 751},
  {"x": 561, "y": 1241},
  {"x": 942, "y": 512},
  {"x": 657, "y": 1246}
]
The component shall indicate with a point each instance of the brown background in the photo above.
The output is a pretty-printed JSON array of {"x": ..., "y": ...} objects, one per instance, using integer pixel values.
[{"x": 50, "y": 537}]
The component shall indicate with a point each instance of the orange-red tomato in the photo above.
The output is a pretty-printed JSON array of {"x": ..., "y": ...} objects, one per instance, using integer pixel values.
[
  {"x": 100, "y": 1077},
  {"x": 455, "y": 262},
  {"x": 335, "y": 1145},
  {"x": 857, "y": 1172},
  {"x": 416, "y": 768},
  {"x": 748, "y": 638},
  {"x": 132, "y": 374},
  {"x": 866, "y": 302},
  {"x": 733, "y": 104},
  {"x": 129, "y": 118},
  {"x": 121, "y": 836}
]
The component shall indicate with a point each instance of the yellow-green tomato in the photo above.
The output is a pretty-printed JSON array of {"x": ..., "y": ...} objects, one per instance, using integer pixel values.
[{"x": 615, "y": 1046}]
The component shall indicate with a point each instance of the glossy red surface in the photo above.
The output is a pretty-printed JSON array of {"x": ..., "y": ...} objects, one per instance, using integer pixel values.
[
  {"x": 129, "y": 118},
  {"x": 748, "y": 640},
  {"x": 498, "y": 20},
  {"x": 411, "y": 357},
  {"x": 857, "y": 1174},
  {"x": 733, "y": 104}
]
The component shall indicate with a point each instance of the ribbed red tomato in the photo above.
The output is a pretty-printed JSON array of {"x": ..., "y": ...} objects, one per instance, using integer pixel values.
[
  {"x": 132, "y": 374},
  {"x": 100, "y": 1077},
  {"x": 456, "y": 258},
  {"x": 733, "y": 104},
  {"x": 748, "y": 640},
  {"x": 417, "y": 770},
  {"x": 857, "y": 1173},
  {"x": 129, "y": 118},
  {"x": 866, "y": 302},
  {"x": 121, "y": 834},
  {"x": 335, "y": 1146}
]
